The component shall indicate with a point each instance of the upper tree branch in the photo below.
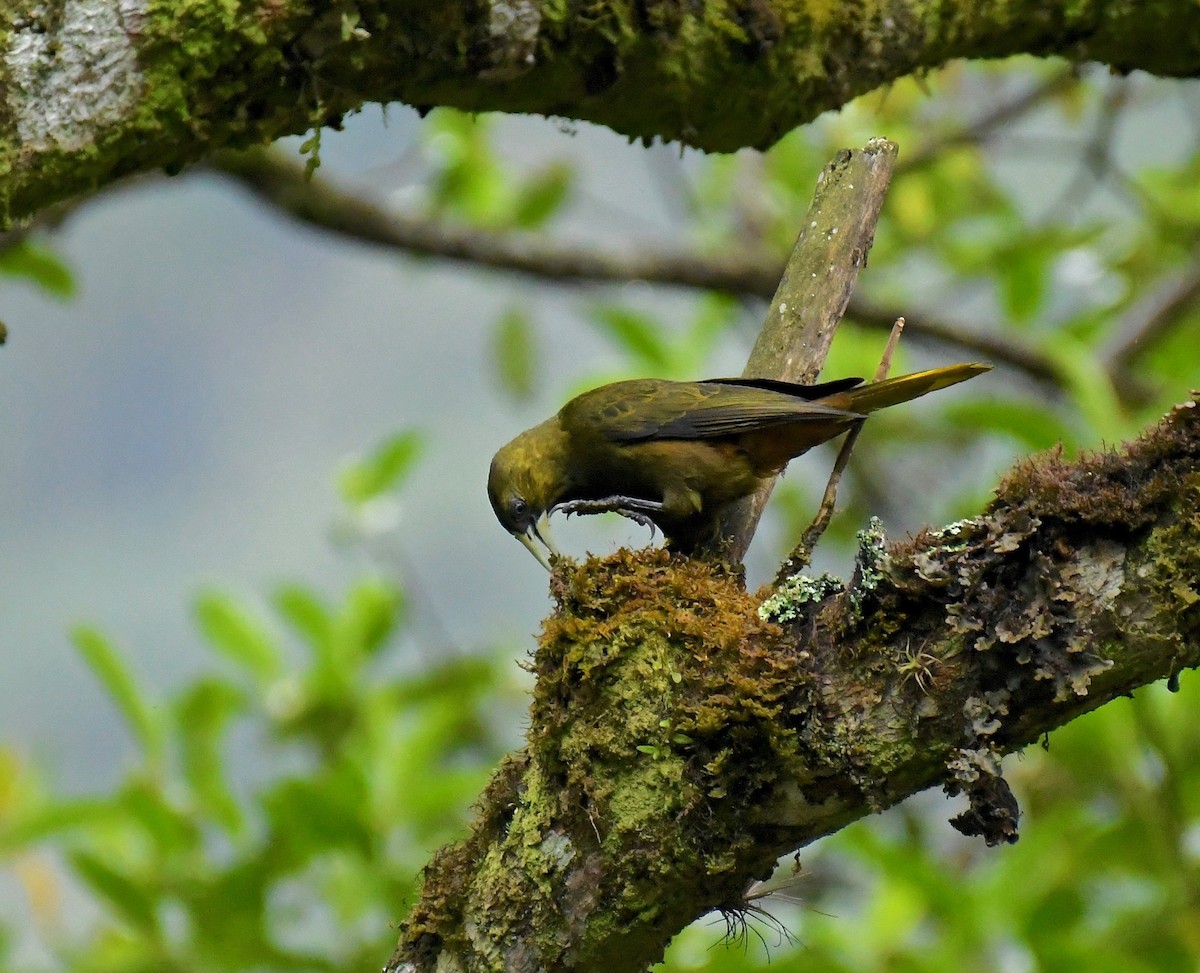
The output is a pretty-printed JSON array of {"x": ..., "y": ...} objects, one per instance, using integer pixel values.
[
  {"x": 93, "y": 91},
  {"x": 1078, "y": 584}
]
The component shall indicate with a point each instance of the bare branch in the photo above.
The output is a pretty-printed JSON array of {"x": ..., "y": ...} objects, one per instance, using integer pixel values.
[{"x": 320, "y": 203}]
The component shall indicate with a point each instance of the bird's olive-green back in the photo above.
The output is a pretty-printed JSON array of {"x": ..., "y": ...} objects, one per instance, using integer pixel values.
[
  {"x": 648, "y": 408},
  {"x": 641, "y": 409}
]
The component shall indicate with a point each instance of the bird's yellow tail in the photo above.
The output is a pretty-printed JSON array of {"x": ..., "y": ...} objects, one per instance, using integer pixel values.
[{"x": 891, "y": 391}]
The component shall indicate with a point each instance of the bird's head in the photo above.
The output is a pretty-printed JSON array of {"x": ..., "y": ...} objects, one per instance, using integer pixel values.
[{"x": 527, "y": 478}]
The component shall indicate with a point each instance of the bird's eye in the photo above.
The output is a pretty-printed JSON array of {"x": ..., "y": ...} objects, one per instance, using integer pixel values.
[{"x": 519, "y": 507}]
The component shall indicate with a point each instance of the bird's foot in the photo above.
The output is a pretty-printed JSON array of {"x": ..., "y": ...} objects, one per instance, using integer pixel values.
[{"x": 635, "y": 508}]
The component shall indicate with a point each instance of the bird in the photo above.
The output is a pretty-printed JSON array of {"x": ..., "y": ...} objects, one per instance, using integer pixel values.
[{"x": 674, "y": 454}]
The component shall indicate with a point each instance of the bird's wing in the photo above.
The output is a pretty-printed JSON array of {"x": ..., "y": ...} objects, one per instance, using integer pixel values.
[{"x": 653, "y": 409}]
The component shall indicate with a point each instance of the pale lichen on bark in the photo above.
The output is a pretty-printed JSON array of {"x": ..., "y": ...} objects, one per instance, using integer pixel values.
[
  {"x": 72, "y": 71},
  {"x": 512, "y": 36}
]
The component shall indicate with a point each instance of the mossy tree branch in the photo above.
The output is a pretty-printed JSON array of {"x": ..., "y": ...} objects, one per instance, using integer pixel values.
[
  {"x": 91, "y": 90},
  {"x": 681, "y": 741}
]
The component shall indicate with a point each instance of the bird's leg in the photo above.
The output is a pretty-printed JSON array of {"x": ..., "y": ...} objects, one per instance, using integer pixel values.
[
  {"x": 801, "y": 557},
  {"x": 635, "y": 508}
]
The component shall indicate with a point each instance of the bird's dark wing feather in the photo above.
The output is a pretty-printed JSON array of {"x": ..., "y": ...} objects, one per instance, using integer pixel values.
[
  {"x": 791, "y": 388},
  {"x": 654, "y": 409}
]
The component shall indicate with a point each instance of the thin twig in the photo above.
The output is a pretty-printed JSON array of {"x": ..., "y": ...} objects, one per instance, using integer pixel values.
[
  {"x": 1146, "y": 324},
  {"x": 981, "y": 128},
  {"x": 1023, "y": 357},
  {"x": 1152, "y": 319},
  {"x": 801, "y": 556}
]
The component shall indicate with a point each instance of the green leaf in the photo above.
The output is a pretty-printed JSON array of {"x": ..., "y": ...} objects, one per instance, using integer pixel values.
[
  {"x": 384, "y": 470},
  {"x": 170, "y": 828},
  {"x": 1023, "y": 274},
  {"x": 107, "y": 665},
  {"x": 370, "y": 617},
  {"x": 465, "y": 680},
  {"x": 1091, "y": 387},
  {"x": 226, "y": 917},
  {"x": 542, "y": 196},
  {"x": 639, "y": 335},
  {"x": 203, "y": 713},
  {"x": 231, "y": 630},
  {"x": 52, "y": 821},
  {"x": 1034, "y": 425},
  {"x": 40, "y": 266},
  {"x": 127, "y": 898},
  {"x": 312, "y": 816},
  {"x": 309, "y": 618},
  {"x": 311, "y": 147},
  {"x": 1173, "y": 192},
  {"x": 514, "y": 349},
  {"x": 469, "y": 182}
]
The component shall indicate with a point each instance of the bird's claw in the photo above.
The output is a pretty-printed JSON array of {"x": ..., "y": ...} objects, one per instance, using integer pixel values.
[
  {"x": 639, "y": 518},
  {"x": 635, "y": 508}
]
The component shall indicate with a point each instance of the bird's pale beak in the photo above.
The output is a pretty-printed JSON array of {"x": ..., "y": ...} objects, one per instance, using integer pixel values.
[
  {"x": 540, "y": 532},
  {"x": 531, "y": 545}
]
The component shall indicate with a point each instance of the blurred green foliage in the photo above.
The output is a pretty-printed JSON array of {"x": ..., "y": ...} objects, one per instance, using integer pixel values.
[
  {"x": 283, "y": 801},
  {"x": 473, "y": 183},
  {"x": 646, "y": 347},
  {"x": 383, "y": 471},
  {"x": 31, "y": 261},
  {"x": 514, "y": 348},
  {"x": 281, "y": 804}
]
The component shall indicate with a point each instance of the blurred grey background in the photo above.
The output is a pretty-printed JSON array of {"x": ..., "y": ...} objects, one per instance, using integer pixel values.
[{"x": 181, "y": 421}]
